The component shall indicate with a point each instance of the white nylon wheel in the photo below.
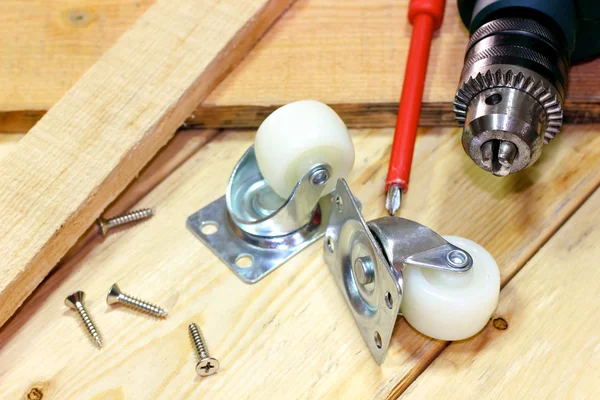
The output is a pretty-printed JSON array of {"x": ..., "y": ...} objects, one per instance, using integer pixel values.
[
  {"x": 296, "y": 137},
  {"x": 451, "y": 306}
]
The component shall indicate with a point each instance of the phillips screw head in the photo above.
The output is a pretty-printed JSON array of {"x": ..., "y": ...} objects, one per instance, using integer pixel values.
[{"x": 208, "y": 365}]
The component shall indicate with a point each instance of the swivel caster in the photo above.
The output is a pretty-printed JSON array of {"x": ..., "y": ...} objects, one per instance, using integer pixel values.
[
  {"x": 445, "y": 287},
  {"x": 278, "y": 196}
]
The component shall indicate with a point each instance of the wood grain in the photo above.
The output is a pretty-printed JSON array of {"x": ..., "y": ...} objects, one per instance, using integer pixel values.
[
  {"x": 179, "y": 149},
  {"x": 90, "y": 146},
  {"x": 290, "y": 335},
  {"x": 350, "y": 54},
  {"x": 49, "y": 44},
  {"x": 8, "y": 142},
  {"x": 550, "y": 349}
]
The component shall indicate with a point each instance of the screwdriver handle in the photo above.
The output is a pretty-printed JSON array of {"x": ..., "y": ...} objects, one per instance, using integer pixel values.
[
  {"x": 426, "y": 16},
  {"x": 433, "y": 8}
]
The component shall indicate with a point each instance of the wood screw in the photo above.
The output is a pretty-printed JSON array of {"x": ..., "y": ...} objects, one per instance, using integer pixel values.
[
  {"x": 116, "y": 296},
  {"x": 207, "y": 365},
  {"x": 106, "y": 224},
  {"x": 75, "y": 301}
]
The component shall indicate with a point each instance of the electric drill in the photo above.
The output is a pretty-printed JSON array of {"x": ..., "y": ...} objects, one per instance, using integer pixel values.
[{"x": 513, "y": 83}]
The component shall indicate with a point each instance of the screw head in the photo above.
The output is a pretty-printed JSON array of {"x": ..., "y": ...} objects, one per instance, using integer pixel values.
[
  {"x": 103, "y": 226},
  {"x": 207, "y": 366},
  {"x": 113, "y": 294},
  {"x": 74, "y": 298}
]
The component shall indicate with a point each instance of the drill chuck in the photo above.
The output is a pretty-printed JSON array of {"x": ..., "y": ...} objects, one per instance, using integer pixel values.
[{"x": 511, "y": 93}]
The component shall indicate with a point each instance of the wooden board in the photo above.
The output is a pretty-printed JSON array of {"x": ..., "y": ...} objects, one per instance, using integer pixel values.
[
  {"x": 8, "y": 142},
  {"x": 290, "y": 335},
  {"x": 350, "y": 54},
  {"x": 49, "y": 44},
  {"x": 89, "y": 147},
  {"x": 179, "y": 149},
  {"x": 550, "y": 349}
]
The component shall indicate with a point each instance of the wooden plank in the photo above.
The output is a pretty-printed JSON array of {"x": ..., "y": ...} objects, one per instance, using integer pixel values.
[
  {"x": 90, "y": 146},
  {"x": 550, "y": 349},
  {"x": 179, "y": 149},
  {"x": 48, "y": 45},
  {"x": 350, "y": 54},
  {"x": 8, "y": 142},
  {"x": 292, "y": 330}
]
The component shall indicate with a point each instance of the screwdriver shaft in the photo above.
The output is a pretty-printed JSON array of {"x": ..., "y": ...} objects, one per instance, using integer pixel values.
[{"x": 409, "y": 110}]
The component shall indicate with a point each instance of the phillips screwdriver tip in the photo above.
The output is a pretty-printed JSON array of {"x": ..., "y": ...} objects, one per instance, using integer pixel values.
[{"x": 393, "y": 199}]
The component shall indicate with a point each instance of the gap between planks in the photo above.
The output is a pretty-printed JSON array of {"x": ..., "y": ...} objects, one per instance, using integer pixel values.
[{"x": 354, "y": 115}]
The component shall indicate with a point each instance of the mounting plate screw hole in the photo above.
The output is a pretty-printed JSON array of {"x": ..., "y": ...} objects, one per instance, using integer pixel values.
[
  {"x": 500, "y": 324},
  {"x": 330, "y": 245},
  {"x": 377, "y": 339},
  {"x": 388, "y": 300},
  {"x": 339, "y": 204},
  {"x": 209, "y": 227},
  {"x": 244, "y": 260},
  {"x": 493, "y": 99}
]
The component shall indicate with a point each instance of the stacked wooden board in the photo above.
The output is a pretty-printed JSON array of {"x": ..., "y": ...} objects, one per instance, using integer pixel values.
[{"x": 350, "y": 54}]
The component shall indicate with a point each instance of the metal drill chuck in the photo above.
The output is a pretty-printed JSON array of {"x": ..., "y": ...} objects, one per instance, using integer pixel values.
[{"x": 510, "y": 94}]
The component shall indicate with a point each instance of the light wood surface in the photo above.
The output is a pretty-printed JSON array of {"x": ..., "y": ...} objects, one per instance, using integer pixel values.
[
  {"x": 290, "y": 335},
  {"x": 179, "y": 149},
  {"x": 88, "y": 148},
  {"x": 8, "y": 142},
  {"x": 350, "y": 54},
  {"x": 49, "y": 44},
  {"x": 550, "y": 349}
]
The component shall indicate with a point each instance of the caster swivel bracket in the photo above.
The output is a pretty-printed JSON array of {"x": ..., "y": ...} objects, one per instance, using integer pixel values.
[
  {"x": 367, "y": 259},
  {"x": 252, "y": 230}
]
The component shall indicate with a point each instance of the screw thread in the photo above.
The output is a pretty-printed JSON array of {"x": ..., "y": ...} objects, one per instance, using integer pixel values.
[
  {"x": 130, "y": 217},
  {"x": 142, "y": 306},
  {"x": 89, "y": 324},
  {"x": 198, "y": 340}
]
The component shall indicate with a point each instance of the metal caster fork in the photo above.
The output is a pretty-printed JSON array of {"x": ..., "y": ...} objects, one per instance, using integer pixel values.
[
  {"x": 252, "y": 229},
  {"x": 369, "y": 262}
]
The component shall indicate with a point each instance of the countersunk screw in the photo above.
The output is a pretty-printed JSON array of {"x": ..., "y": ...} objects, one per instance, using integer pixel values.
[
  {"x": 207, "y": 365},
  {"x": 106, "y": 224},
  {"x": 116, "y": 296},
  {"x": 75, "y": 301}
]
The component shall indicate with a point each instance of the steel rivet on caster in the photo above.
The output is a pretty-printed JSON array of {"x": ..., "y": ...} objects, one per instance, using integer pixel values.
[{"x": 277, "y": 200}]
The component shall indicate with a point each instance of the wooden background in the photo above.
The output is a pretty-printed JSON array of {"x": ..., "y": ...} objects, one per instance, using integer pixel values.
[
  {"x": 291, "y": 335},
  {"x": 350, "y": 54}
]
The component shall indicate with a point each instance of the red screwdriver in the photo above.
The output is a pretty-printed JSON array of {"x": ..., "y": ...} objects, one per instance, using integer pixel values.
[{"x": 425, "y": 16}]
